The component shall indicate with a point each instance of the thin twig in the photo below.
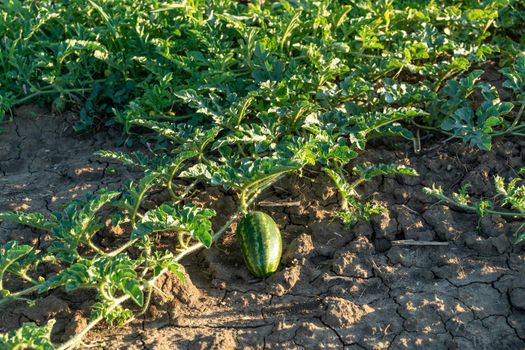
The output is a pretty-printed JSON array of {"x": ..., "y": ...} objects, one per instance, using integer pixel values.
[
  {"x": 279, "y": 204},
  {"x": 408, "y": 242}
]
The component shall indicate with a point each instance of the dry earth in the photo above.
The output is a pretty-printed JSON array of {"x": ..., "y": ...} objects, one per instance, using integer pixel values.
[{"x": 337, "y": 288}]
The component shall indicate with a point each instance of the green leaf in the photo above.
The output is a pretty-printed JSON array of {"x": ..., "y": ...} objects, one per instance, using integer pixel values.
[
  {"x": 255, "y": 134},
  {"x": 370, "y": 122},
  {"x": 15, "y": 258},
  {"x": 513, "y": 193},
  {"x": 481, "y": 207},
  {"x": 78, "y": 224},
  {"x": 163, "y": 128},
  {"x": 394, "y": 129},
  {"x": 368, "y": 172},
  {"x": 492, "y": 121},
  {"x": 167, "y": 261},
  {"x": 358, "y": 211},
  {"x": 477, "y": 133},
  {"x": 238, "y": 176},
  {"x": 134, "y": 193},
  {"x": 122, "y": 157},
  {"x": 29, "y": 336},
  {"x": 515, "y": 75},
  {"x": 117, "y": 316},
  {"x": 198, "y": 171},
  {"x": 11, "y": 252},
  {"x": 188, "y": 219},
  {"x": 132, "y": 288},
  {"x": 36, "y": 220},
  {"x": 519, "y": 237}
]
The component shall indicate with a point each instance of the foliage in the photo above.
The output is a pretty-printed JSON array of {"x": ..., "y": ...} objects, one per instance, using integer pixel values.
[
  {"x": 353, "y": 209},
  {"x": 116, "y": 275},
  {"x": 29, "y": 336},
  {"x": 510, "y": 201},
  {"x": 238, "y": 95},
  {"x": 188, "y": 220},
  {"x": 253, "y": 68},
  {"x": 477, "y": 127}
]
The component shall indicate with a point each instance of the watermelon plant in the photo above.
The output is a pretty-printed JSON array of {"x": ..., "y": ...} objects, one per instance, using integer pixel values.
[
  {"x": 239, "y": 95},
  {"x": 510, "y": 201},
  {"x": 29, "y": 336}
]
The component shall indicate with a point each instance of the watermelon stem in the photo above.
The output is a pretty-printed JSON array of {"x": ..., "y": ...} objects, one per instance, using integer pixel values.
[{"x": 253, "y": 189}]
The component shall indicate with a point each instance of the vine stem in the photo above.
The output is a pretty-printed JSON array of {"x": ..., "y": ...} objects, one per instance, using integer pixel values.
[
  {"x": 96, "y": 249},
  {"x": 138, "y": 201},
  {"x": 74, "y": 341},
  {"x": 19, "y": 294},
  {"x": 519, "y": 114},
  {"x": 187, "y": 190},
  {"x": 170, "y": 180},
  {"x": 450, "y": 201}
]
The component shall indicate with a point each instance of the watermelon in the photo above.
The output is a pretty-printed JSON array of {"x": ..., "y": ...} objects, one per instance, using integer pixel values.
[{"x": 261, "y": 244}]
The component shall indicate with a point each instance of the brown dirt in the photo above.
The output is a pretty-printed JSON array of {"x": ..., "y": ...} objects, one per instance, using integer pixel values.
[{"x": 337, "y": 288}]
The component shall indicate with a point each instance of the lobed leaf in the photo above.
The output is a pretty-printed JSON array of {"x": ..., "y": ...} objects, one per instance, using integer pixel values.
[
  {"x": 36, "y": 220},
  {"x": 167, "y": 217},
  {"x": 370, "y": 171},
  {"x": 29, "y": 336}
]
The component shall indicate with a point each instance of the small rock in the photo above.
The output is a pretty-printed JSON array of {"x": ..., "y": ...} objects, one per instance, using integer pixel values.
[
  {"x": 413, "y": 225},
  {"x": 382, "y": 245},
  {"x": 47, "y": 308},
  {"x": 351, "y": 265},
  {"x": 220, "y": 284},
  {"x": 476, "y": 294},
  {"x": 409, "y": 180},
  {"x": 465, "y": 270},
  {"x": 221, "y": 340},
  {"x": 397, "y": 255},
  {"x": 481, "y": 245},
  {"x": 282, "y": 331},
  {"x": 500, "y": 243},
  {"x": 301, "y": 220},
  {"x": 422, "y": 340},
  {"x": 328, "y": 237},
  {"x": 77, "y": 323},
  {"x": 385, "y": 226},
  {"x": 341, "y": 313},
  {"x": 363, "y": 229},
  {"x": 187, "y": 293},
  {"x": 300, "y": 248},
  {"x": 424, "y": 312},
  {"x": 493, "y": 225},
  {"x": 427, "y": 235},
  {"x": 515, "y": 162},
  {"x": 293, "y": 230},
  {"x": 326, "y": 192},
  {"x": 282, "y": 283},
  {"x": 517, "y": 298},
  {"x": 506, "y": 338},
  {"x": 517, "y": 321},
  {"x": 361, "y": 245},
  {"x": 316, "y": 336},
  {"x": 480, "y": 181},
  {"x": 440, "y": 218}
]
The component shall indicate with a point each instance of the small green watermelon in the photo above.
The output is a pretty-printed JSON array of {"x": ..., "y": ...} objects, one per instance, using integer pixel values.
[{"x": 261, "y": 243}]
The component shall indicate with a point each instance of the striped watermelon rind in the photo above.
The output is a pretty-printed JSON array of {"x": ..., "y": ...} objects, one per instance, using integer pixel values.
[{"x": 261, "y": 243}]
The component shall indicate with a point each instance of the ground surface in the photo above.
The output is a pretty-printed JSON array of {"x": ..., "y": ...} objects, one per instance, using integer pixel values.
[{"x": 337, "y": 288}]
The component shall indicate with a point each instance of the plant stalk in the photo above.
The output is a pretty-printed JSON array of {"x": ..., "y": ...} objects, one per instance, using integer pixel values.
[{"x": 74, "y": 341}]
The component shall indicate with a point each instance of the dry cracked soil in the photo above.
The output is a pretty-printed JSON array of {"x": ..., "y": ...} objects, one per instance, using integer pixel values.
[{"x": 337, "y": 288}]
